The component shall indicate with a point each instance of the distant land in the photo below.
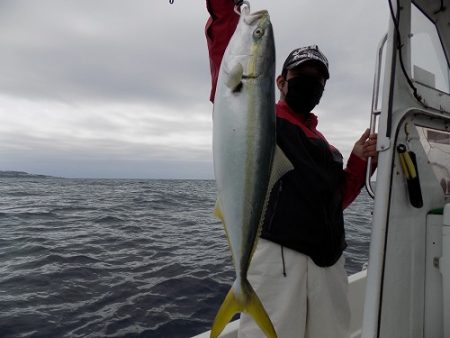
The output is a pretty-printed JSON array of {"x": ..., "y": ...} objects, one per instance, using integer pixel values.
[{"x": 18, "y": 174}]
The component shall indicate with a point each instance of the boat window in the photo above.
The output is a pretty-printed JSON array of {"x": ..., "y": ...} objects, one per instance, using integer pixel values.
[
  {"x": 436, "y": 144},
  {"x": 428, "y": 62}
]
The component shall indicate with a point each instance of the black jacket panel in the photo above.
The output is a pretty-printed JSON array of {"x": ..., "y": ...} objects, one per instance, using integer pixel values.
[{"x": 305, "y": 206}]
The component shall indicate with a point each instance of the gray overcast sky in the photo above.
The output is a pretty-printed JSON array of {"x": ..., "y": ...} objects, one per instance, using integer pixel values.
[{"x": 109, "y": 88}]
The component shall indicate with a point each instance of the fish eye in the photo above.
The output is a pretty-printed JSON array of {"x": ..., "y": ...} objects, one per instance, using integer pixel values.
[{"x": 258, "y": 33}]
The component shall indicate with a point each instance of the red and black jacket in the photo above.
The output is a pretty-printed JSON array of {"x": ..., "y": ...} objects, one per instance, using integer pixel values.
[{"x": 305, "y": 206}]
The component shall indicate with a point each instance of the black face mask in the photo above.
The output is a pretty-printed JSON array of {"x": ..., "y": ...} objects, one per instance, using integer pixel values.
[{"x": 304, "y": 93}]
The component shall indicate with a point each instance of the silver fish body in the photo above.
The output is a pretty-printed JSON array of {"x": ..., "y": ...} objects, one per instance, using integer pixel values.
[
  {"x": 244, "y": 132},
  {"x": 244, "y": 147}
]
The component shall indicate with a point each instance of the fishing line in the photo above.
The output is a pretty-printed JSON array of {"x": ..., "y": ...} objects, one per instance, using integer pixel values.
[{"x": 396, "y": 20}]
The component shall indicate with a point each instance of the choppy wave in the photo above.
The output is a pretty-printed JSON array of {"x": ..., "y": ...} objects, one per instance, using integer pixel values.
[{"x": 120, "y": 258}]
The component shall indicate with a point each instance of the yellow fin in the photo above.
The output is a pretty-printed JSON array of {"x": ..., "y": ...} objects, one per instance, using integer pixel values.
[
  {"x": 234, "y": 80},
  {"x": 227, "y": 310},
  {"x": 256, "y": 310},
  {"x": 253, "y": 306},
  {"x": 218, "y": 212}
]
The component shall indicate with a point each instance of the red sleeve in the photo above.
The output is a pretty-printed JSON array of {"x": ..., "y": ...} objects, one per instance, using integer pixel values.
[
  {"x": 354, "y": 179},
  {"x": 219, "y": 29}
]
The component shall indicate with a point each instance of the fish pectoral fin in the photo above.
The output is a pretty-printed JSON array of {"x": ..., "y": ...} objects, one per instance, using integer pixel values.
[
  {"x": 253, "y": 307},
  {"x": 280, "y": 166},
  {"x": 234, "y": 81}
]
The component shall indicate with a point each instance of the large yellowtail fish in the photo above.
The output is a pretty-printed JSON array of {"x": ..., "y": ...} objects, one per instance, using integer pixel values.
[{"x": 246, "y": 160}]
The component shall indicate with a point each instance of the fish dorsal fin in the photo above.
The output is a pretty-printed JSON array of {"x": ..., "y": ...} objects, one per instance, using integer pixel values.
[
  {"x": 280, "y": 166},
  {"x": 234, "y": 81}
]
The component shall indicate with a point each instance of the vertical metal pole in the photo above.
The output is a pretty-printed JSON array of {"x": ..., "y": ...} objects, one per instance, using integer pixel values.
[{"x": 374, "y": 109}]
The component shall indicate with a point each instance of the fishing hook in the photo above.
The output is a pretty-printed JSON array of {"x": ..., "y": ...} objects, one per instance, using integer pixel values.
[{"x": 243, "y": 6}]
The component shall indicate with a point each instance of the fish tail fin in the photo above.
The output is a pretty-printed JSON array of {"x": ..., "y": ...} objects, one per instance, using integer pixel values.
[
  {"x": 256, "y": 310},
  {"x": 253, "y": 306},
  {"x": 227, "y": 310}
]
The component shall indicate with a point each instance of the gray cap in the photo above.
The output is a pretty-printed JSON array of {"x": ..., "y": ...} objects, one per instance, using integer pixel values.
[{"x": 304, "y": 54}]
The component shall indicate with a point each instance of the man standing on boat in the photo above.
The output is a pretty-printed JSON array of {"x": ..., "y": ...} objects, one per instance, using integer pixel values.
[{"x": 298, "y": 268}]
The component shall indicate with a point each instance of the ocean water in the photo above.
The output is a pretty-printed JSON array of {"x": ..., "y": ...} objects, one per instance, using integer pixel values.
[{"x": 121, "y": 258}]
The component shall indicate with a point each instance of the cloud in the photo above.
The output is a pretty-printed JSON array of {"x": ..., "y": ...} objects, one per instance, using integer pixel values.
[
  {"x": 109, "y": 84},
  {"x": 103, "y": 133},
  {"x": 103, "y": 50}
]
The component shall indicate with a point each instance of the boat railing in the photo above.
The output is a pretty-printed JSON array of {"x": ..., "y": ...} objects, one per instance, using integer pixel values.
[{"x": 375, "y": 111}]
